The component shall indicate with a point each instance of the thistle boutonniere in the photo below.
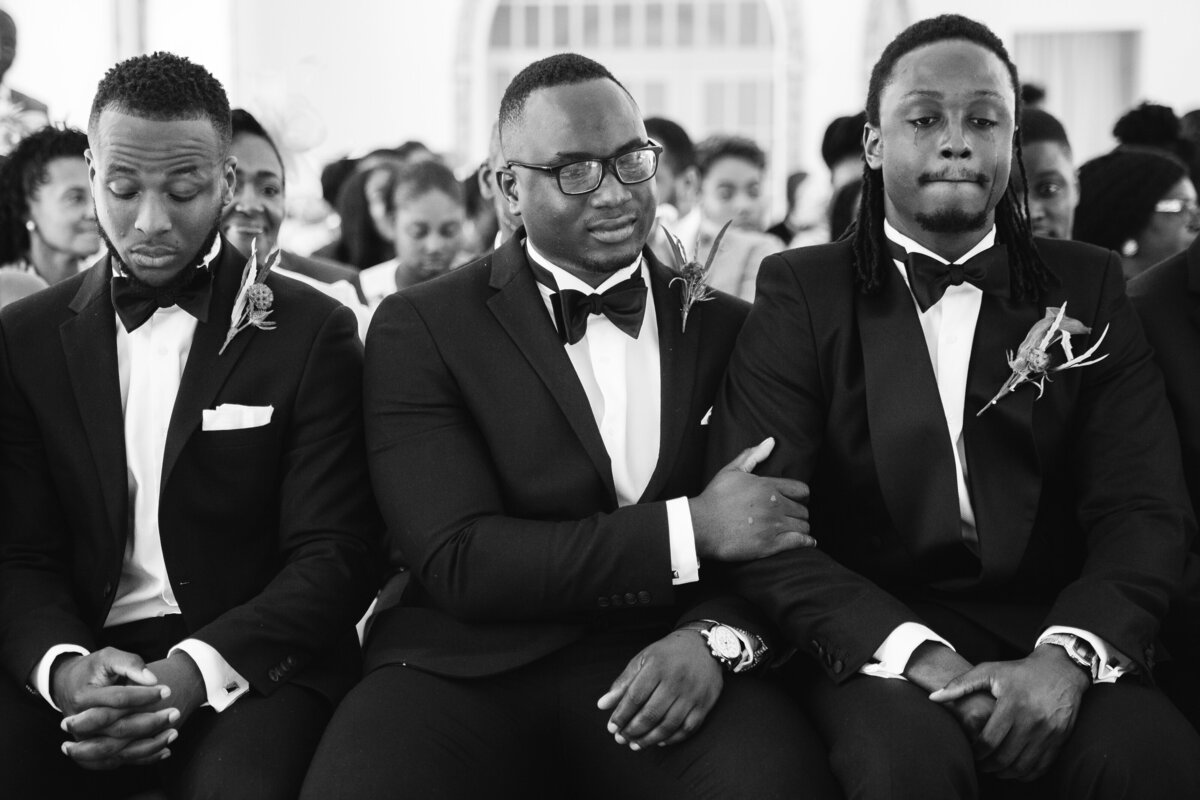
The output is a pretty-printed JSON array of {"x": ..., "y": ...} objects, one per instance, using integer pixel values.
[
  {"x": 253, "y": 303},
  {"x": 1031, "y": 364},
  {"x": 692, "y": 273}
]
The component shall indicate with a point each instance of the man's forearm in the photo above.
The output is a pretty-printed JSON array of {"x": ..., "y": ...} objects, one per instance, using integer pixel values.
[{"x": 933, "y": 665}]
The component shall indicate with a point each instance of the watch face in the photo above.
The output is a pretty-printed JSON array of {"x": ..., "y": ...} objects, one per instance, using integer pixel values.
[{"x": 724, "y": 642}]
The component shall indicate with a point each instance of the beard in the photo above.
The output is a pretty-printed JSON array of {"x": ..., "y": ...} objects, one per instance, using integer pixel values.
[
  {"x": 952, "y": 220},
  {"x": 185, "y": 275}
]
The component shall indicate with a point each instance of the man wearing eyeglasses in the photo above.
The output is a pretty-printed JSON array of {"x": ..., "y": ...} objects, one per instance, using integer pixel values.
[{"x": 538, "y": 422}]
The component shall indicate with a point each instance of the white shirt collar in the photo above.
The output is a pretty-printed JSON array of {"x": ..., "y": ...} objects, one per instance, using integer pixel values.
[{"x": 913, "y": 246}]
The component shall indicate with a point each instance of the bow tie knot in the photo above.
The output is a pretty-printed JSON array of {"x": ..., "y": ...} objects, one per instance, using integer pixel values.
[
  {"x": 928, "y": 278},
  {"x": 136, "y": 302},
  {"x": 624, "y": 304}
]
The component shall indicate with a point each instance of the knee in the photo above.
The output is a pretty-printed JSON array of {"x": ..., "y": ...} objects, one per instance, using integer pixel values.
[{"x": 922, "y": 760}]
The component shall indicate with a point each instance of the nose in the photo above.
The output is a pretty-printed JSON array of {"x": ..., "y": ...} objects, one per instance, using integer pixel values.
[
  {"x": 955, "y": 143},
  {"x": 610, "y": 192},
  {"x": 152, "y": 217}
]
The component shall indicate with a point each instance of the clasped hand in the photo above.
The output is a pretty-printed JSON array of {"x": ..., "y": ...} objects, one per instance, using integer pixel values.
[
  {"x": 664, "y": 693},
  {"x": 740, "y": 516},
  {"x": 1036, "y": 703},
  {"x": 122, "y": 711}
]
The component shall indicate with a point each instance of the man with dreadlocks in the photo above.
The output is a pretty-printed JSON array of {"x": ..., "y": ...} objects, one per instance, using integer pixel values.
[{"x": 1007, "y": 564}]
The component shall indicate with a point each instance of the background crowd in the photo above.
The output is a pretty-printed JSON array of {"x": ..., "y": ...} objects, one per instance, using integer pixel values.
[{"x": 398, "y": 215}]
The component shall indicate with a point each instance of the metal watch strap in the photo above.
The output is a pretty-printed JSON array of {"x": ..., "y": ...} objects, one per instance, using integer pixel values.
[
  {"x": 753, "y": 647},
  {"x": 1071, "y": 644}
]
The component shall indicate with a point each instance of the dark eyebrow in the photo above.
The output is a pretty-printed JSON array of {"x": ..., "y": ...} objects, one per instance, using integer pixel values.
[
  {"x": 574, "y": 155},
  {"x": 935, "y": 95}
]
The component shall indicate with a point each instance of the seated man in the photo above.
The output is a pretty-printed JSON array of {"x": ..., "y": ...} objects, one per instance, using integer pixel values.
[
  {"x": 536, "y": 427},
  {"x": 1010, "y": 552},
  {"x": 187, "y": 523}
]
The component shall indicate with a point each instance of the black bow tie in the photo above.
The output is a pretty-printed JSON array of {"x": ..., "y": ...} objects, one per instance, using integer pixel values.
[
  {"x": 136, "y": 302},
  {"x": 624, "y": 304},
  {"x": 929, "y": 278}
]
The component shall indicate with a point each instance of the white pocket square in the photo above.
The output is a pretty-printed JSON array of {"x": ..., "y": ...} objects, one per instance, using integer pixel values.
[
  {"x": 232, "y": 417},
  {"x": 707, "y": 416}
]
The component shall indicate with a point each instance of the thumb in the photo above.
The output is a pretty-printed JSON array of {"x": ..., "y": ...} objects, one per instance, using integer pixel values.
[
  {"x": 130, "y": 667},
  {"x": 615, "y": 692},
  {"x": 751, "y": 457},
  {"x": 973, "y": 680}
]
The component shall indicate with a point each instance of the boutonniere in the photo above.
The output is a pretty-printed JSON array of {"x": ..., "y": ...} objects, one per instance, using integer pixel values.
[
  {"x": 253, "y": 303},
  {"x": 1032, "y": 362},
  {"x": 692, "y": 273}
]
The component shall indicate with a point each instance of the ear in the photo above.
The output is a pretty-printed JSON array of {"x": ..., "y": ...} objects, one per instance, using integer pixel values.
[
  {"x": 873, "y": 146},
  {"x": 506, "y": 182},
  {"x": 91, "y": 165},
  {"x": 229, "y": 180}
]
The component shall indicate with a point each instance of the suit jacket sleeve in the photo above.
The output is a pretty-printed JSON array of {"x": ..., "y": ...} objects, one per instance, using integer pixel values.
[
  {"x": 1132, "y": 504},
  {"x": 774, "y": 388},
  {"x": 38, "y": 608},
  {"x": 444, "y": 506},
  {"x": 328, "y": 524}
]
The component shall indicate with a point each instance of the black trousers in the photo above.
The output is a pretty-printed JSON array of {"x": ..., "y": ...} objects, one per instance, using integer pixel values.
[
  {"x": 536, "y": 732},
  {"x": 259, "y": 747},
  {"x": 886, "y": 739}
]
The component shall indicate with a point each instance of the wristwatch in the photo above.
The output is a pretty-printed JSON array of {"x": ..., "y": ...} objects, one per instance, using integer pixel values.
[
  {"x": 734, "y": 649},
  {"x": 1078, "y": 650}
]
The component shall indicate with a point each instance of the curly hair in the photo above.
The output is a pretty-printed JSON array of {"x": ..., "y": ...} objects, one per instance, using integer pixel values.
[
  {"x": 164, "y": 86},
  {"x": 24, "y": 172},
  {"x": 1030, "y": 275}
]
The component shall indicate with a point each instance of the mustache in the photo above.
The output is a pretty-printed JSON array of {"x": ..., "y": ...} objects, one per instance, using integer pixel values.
[{"x": 961, "y": 176}]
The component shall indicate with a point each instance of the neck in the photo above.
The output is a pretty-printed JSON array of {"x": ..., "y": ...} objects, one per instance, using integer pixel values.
[
  {"x": 950, "y": 246},
  {"x": 52, "y": 264}
]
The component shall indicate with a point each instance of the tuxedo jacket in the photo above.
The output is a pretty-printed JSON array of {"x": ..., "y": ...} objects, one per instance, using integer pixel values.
[
  {"x": 267, "y": 532},
  {"x": 1081, "y": 515},
  {"x": 1167, "y": 298},
  {"x": 495, "y": 483}
]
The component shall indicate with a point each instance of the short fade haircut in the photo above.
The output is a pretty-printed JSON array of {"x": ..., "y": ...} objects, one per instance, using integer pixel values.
[
  {"x": 420, "y": 178},
  {"x": 244, "y": 123},
  {"x": 678, "y": 149},
  {"x": 561, "y": 69},
  {"x": 714, "y": 148},
  {"x": 164, "y": 86},
  {"x": 1041, "y": 126}
]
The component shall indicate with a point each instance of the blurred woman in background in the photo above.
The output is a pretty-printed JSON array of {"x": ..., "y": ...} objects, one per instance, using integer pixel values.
[
  {"x": 428, "y": 216},
  {"x": 1139, "y": 202},
  {"x": 47, "y": 219}
]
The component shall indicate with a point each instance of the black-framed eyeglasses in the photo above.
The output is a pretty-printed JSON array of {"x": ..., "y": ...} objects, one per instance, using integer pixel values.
[{"x": 582, "y": 177}]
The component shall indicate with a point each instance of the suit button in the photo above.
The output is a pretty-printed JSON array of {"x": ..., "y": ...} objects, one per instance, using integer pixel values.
[
  {"x": 643, "y": 597},
  {"x": 603, "y": 602},
  {"x": 630, "y": 599},
  {"x": 289, "y": 662},
  {"x": 617, "y": 601},
  {"x": 273, "y": 674},
  {"x": 837, "y": 666}
]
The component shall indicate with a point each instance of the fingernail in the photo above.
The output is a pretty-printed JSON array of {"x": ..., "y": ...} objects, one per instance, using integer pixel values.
[
  {"x": 165, "y": 755},
  {"x": 172, "y": 715},
  {"x": 612, "y": 727},
  {"x": 172, "y": 736},
  {"x": 165, "y": 693},
  {"x": 63, "y": 725},
  {"x": 66, "y": 748},
  {"x": 635, "y": 746},
  {"x": 620, "y": 739}
]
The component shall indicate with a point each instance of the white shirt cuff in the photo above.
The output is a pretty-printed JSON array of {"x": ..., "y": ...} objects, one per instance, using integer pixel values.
[
  {"x": 41, "y": 673},
  {"x": 1113, "y": 663},
  {"x": 891, "y": 657},
  {"x": 685, "y": 564},
  {"x": 222, "y": 683}
]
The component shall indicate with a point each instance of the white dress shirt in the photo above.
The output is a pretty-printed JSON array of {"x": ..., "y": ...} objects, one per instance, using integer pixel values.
[
  {"x": 150, "y": 361},
  {"x": 949, "y": 329},
  {"x": 623, "y": 382}
]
